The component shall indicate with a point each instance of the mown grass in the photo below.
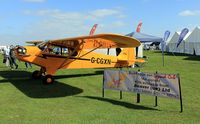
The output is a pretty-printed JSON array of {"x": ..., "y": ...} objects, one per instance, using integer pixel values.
[{"x": 76, "y": 96}]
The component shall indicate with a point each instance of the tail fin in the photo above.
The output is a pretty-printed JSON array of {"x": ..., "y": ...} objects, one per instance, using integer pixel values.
[
  {"x": 93, "y": 29},
  {"x": 128, "y": 55},
  {"x": 139, "y": 27}
]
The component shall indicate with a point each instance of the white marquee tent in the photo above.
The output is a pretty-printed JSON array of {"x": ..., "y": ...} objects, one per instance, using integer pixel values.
[
  {"x": 192, "y": 43},
  {"x": 171, "y": 45}
]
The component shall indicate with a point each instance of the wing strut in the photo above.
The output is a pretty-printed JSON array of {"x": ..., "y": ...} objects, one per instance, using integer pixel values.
[
  {"x": 63, "y": 64},
  {"x": 71, "y": 53}
]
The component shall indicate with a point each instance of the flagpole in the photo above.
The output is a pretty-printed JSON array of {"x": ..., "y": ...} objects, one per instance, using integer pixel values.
[
  {"x": 163, "y": 59},
  {"x": 166, "y": 36}
]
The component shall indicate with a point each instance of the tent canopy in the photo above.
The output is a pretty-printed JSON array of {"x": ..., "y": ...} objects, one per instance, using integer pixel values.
[
  {"x": 144, "y": 37},
  {"x": 192, "y": 43}
]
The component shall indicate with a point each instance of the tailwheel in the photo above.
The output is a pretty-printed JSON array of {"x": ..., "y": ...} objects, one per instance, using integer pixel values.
[
  {"x": 48, "y": 79},
  {"x": 36, "y": 75}
]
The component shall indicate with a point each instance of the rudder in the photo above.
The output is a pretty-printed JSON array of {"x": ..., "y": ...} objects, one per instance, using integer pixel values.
[{"x": 127, "y": 54}]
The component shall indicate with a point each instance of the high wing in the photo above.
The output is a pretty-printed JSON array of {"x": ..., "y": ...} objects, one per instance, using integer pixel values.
[
  {"x": 97, "y": 41},
  {"x": 34, "y": 42}
]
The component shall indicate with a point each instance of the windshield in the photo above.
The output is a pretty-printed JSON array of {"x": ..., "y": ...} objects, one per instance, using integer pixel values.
[
  {"x": 42, "y": 45},
  {"x": 55, "y": 49}
]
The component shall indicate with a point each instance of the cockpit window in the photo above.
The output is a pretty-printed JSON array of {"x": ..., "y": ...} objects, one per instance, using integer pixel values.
[
  {"x": 42, "y": 45},
  {"x": 57, "y": 50}
]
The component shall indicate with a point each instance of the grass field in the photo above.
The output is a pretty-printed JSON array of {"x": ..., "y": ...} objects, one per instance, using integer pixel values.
[{"x": 76, "y": 96}]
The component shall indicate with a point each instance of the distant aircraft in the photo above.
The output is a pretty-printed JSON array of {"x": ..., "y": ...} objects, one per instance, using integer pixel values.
[{"x": 78, "y": 52}]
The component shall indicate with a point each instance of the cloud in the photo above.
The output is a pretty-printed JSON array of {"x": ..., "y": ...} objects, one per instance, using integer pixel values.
[
  {"x": 93, "y": 15},
  {"x": 55, "y": 23},
  {"x": 34, "y": 1},
  {"x": 118, "y": 24},
  {"x": 104, "y": 12},
  {"x": 190, "y": 13}
]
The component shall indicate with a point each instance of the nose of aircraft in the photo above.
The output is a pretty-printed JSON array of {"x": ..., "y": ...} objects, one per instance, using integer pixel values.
[{"x": 21, "y": 50}]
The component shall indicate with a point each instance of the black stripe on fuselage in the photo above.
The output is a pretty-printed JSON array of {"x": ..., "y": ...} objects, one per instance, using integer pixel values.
[{"x": 59, "y": 56}]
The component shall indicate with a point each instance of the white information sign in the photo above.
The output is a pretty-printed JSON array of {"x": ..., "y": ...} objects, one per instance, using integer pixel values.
[{"x": 165, "y": 85}]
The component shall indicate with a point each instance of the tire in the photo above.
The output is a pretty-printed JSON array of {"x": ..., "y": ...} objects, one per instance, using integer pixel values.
[
  {"x": 36, "y": 75},
  {"x": 48, "y": 79}
]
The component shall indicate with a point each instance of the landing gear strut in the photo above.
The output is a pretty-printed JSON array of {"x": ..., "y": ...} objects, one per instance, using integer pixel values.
[{"x": 46, "y": 79}]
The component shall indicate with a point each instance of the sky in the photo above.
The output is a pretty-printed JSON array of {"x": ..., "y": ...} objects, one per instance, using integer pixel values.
[{"x": 27, "y": 20}]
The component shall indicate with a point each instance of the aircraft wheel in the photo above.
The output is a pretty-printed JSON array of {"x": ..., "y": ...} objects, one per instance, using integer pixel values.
[
  {"x": 36, "y": 75},
  {"x": 48, "y": 79}
]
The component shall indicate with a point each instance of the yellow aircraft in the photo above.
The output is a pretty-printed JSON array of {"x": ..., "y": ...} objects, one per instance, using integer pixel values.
[{"x": 78, "y": 52}]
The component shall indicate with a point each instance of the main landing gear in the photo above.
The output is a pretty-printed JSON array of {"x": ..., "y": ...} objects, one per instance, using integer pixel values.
[
  {"x": 46, "y": 79},
  {"x": 36, "y": 75}
]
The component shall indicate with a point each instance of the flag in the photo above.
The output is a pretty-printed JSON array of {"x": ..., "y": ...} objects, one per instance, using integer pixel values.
[
  {"x": 139, "y": 27},
  {"x": 166, "y": 36},
  {"x": 93, "y": 29},
  {"x": 182, "y": 35}
]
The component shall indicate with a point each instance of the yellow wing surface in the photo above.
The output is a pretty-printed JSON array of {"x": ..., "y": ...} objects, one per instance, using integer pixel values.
[{"x": 97, "y": 41}]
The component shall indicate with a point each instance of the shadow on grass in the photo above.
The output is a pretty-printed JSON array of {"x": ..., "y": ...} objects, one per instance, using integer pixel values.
[
  {"x": 187, "y": 56},
  {"x": 78, "y": 75},
  {"x": 172, "y": 54},
  {"x": 35, "y": 88},
  {"x": 120, "y": 103},
  {"x": 193, "y": 58}
]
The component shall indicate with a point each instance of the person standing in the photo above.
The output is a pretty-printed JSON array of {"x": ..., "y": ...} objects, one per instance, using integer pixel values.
[
  {"x": 4, "y": 56},
  {"x": 7, "y": 55},
  {"x": 28, "y": 64},
  {"x": 12, "y": 58}
]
